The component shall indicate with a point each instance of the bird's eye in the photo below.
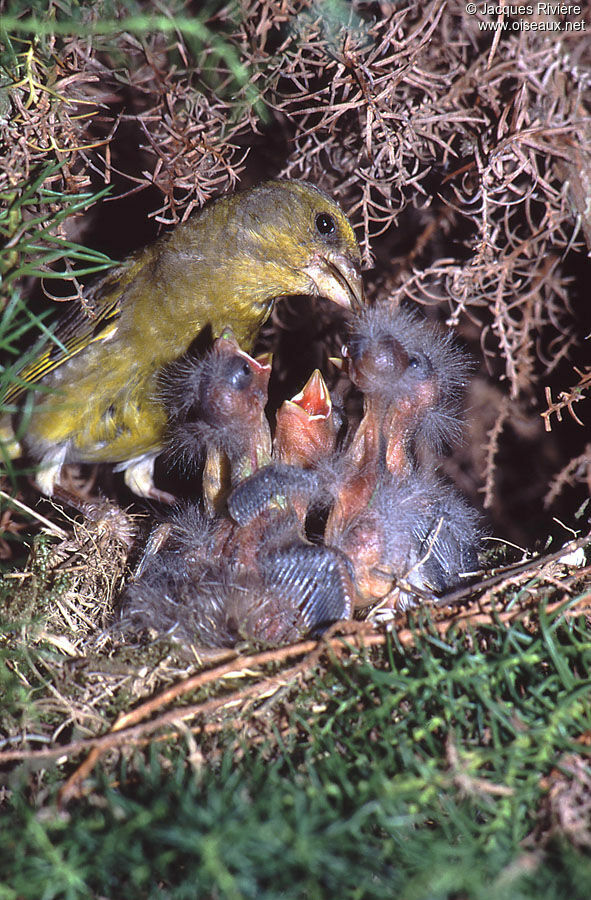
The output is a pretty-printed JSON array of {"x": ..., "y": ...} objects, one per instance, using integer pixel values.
[
  {"x": 325, "y": 224},
  {"x": 355, "y": 347},
  {"x": 240, "y": 375},
  {"x": 419, "y": 365}
]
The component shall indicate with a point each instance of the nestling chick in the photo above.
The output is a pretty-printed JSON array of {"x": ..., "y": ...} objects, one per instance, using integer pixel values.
[
  {"x": 226, "y": 265},
  {"x": 417, "y": 532},
  {"x": 385, "y": 508},
  {"x": 206, "y": 606},
  {"x": 305, "y": 433},
  {"x": 412, "y": 376},
  {"x": 198, "y": 592},
  {"x": 222, "y": 609},
  {"x": 217, "y": 404},
  {"x": 214, "y": 581}
]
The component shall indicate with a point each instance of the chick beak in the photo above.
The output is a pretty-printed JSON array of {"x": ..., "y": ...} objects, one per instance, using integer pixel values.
[
  {"x": 314, "y": 397},
  {"x": 337, "y": 277},
  {"x": 265, "y": 361},
  {"x": 343, "y": 364},
  {"x": 227, "y": 339},
  {"x": 305, "y": 429}
]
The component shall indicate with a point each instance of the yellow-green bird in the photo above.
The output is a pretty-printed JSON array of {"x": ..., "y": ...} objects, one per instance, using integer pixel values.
[{"x": 224, "y": 266}]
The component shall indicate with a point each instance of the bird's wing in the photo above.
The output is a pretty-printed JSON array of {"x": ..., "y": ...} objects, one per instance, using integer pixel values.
[
  {"x": 71, "y": 336},
  {"x": 76, "y": 331}
]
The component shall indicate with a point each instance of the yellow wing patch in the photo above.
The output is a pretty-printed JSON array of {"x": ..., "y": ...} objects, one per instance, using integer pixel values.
[{"x": 74, "y": 335}]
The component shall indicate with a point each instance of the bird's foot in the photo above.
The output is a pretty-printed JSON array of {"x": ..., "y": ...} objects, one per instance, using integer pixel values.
[
  {"x": 139, "y": 478},
  {"x": 9, "y": 446},
  {"x": 50, "y": 468}
]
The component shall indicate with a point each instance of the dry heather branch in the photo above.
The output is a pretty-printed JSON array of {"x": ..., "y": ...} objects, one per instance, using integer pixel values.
[
  {"x": 186, "y": 136},
  {"x": 577, "y": 471},
  {"x": 491, "y": 451},
  {"x": 567, "y": 399},
  {"x": 52, "y": 110}
]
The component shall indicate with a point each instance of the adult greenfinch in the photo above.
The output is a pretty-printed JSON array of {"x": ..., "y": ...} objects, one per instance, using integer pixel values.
[{"x": 98, "y": 398}]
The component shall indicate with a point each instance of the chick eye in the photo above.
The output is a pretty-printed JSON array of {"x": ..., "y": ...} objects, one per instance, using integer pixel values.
[
  {"x": 325, "y": 224},
  {"x": 420, "y": 365},
  {"x": 240, "y": 375},
  {"x": 355, "y": 347}
]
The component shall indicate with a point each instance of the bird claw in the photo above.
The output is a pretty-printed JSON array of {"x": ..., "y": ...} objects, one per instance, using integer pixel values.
[
  {"x": 139, "y": 478},
  {"x": 49, "y": 472}
]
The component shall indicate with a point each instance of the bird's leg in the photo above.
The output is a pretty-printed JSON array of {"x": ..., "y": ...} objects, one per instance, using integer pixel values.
[
  {"x": 50, "y": 468},
  {"x": 139, "y": 478},
  {"x": 216, "y": 481},
  {"x": 9, "y": 446}
]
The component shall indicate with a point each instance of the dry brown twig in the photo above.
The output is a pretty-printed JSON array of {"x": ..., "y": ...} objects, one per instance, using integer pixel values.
[
  {"x": 578, "y": 470},
  {"x": 492, "y": 448},
  {"x": 567, "y": 399}
]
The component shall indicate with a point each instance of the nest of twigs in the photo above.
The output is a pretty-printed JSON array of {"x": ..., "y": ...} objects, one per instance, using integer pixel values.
[{"x": 66, "y": 596}]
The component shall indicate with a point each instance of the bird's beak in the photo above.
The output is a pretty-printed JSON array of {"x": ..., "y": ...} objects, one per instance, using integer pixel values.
[
  {"x": 265, "y": 361},
  {"x": 314, "y": 398},
  {"x": 305, "y": 430},
  {"x": 338, "y": 278}
]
